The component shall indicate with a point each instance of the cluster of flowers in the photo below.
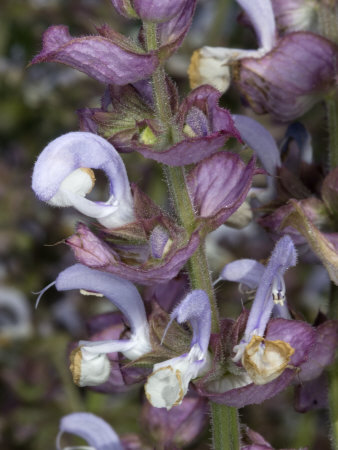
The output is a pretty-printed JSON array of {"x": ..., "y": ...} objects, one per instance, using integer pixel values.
[{"x": 266, "y": 349}]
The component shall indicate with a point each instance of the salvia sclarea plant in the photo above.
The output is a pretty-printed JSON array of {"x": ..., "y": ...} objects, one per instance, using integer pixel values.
[{"x": 189, "y": 359}]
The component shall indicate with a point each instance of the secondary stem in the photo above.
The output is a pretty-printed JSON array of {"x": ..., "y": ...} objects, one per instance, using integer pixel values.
[{"x": 225, "y": 427}]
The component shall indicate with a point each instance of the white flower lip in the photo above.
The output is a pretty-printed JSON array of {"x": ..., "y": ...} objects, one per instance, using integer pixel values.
[
  {"x": 169, "y": 382},
  {"x": 63, "y": 176}
]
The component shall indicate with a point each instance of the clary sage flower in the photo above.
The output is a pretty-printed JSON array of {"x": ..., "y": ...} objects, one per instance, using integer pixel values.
[
  {"x": 265, "y": 360},
  {"x": 63, "y": 176},
  {"x": 90, "y": 365},
  {"x": 168, "y": 384}
]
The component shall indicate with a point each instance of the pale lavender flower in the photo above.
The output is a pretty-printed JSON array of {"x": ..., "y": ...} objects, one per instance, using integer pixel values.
[
  {"x": 90, "y": 365},
  {"x": 169, "y": 382},
  {"x": 63, "y": 176}
]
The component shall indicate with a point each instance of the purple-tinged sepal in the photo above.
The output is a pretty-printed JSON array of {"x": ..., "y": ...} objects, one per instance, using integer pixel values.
[
  {"x": 89, "y": 362},
  {"x": 169, "y": 382},
  {"x": 288, "y": 80},
  {"x": 179, "y": 426},
  {"x": 110, "y": 60},
  {"x": 218, "y": 186},
  {"x": 63, "y": 176},
  {"x": 154, "y": 247},
  {"x": 205, "y": 126},
  {"x": 90, "y": 427},
  {"x": 236, "y": 388}
]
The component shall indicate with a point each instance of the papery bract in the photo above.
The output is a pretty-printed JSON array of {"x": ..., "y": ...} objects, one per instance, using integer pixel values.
[
  {"x": 179, "y": 426},
  {"x": 113, "y": 60},
  {"x": 287, "y": 81},
  {"x": 94, "y": 252},
  {"x": 218, "y": 185}
]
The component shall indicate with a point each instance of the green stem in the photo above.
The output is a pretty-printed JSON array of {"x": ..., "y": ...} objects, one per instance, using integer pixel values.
[
  {"x": 225, "y": 425},
  {"x": 225, "y": 431}
]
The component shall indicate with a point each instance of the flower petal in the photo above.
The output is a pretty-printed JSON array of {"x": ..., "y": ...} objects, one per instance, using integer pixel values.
[
  {"x": 195, "y": 308},
  {"x": 108, "y": 61},
  {"x": 246, "y": 271},
  {"x": 72, "y": 151},
  {"x": 120, "y": 292},
  {"x": 92, "y": 428},
  {"x": 262, "y": 19},
  {"x": 283, "y": 256},
  {"x": 260, "y": 140}
]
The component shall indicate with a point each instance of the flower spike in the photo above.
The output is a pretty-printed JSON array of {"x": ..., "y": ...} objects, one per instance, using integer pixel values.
[
  {"x": 62, "y": 177},
  {"x": 168, "y": 384},
  {"x": 89, "y": 364},
  {"x": 92, "y": 428}
]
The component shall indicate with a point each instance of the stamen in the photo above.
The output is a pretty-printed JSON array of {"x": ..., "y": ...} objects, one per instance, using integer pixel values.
[{"x": 278, "y": 291}]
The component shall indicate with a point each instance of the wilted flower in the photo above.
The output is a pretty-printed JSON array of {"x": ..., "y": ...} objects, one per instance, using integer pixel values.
[
  {"x": 270, "y": 349},
  {"x": 169, "y": 382}
]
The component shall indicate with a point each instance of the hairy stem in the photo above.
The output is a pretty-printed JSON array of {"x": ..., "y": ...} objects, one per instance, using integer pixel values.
[
  {"x": 225, "y": 431},
  {"x": 225, "y": 427}
]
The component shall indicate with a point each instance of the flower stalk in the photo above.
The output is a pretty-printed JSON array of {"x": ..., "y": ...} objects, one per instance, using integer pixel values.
[{"x": 224, "y": 419}]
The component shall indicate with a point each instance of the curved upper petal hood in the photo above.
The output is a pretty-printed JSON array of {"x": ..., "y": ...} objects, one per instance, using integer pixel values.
[
  {"x": 92, "y": 428},
  {"x": 58, "y": 179}
]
